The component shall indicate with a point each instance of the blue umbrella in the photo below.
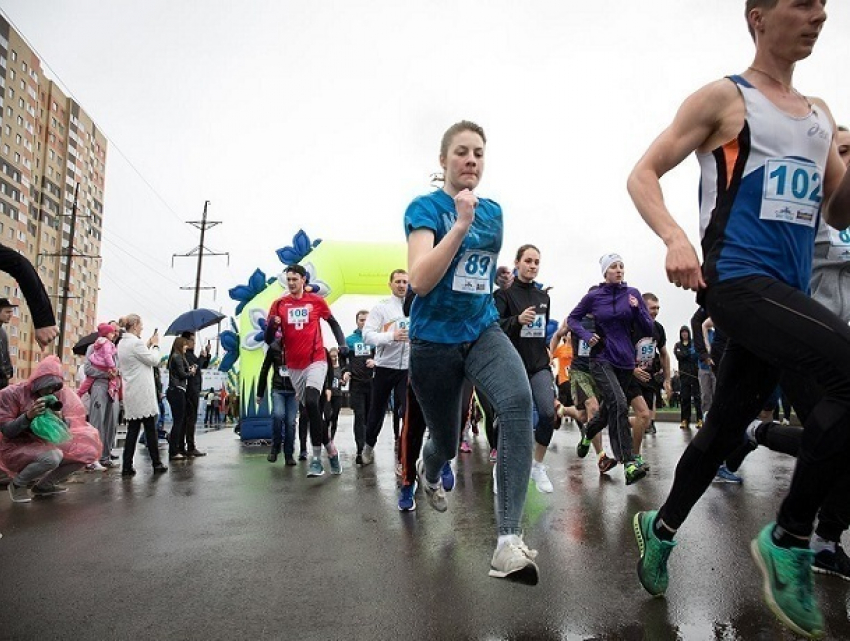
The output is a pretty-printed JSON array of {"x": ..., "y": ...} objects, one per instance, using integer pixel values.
[{"x": 194, "y": 321}]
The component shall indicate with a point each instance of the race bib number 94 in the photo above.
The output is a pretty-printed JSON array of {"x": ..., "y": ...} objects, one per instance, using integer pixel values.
[
  {"x": 839, "y": 244},
  {"x": 791, "y": 192},
  {"x": 474, "y": 272},
  {"x": 537, "y": 329}
]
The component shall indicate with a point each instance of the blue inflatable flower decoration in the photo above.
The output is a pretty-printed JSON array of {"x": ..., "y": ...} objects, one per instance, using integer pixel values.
[
  {"x": 255, "y": 338},
  {"x": 230, "y": 344},
  {"x": 301, "y": 247},
  {"x": 245, "y": 293}
]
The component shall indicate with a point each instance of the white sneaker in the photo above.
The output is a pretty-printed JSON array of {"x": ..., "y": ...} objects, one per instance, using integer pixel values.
[
  {"x": 368, "y": 455},
  {"x": 436, "y": 496},
  {"x": 495, "y": 484},
  {"x": 95, "y": 467},
  {"x": 514, "y": 560},
  {"x": 541, "y": 478}
]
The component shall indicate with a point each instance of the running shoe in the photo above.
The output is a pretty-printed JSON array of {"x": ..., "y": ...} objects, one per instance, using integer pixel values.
[
  {"x": 606, "y": 463},
  {"x": 541, "y": 478},
  {"x": 513, "y": 560},
  {"x": 447, "y": 477},
  {"x": 785, "y": 421},
  {"x": 302, "y": 455},
  {"x": 368, "y": 455},
  {"x": 640, "y": 462},
  {"x": 406, "y": 498},
  {"x": 835, "y": 563},
  {"x": 465, "y": 448},
  {"x": 654, "y": 552},
  {"x": 684, "y": 425},
  {"x": 788, "y": 584},
  {"x": 315, "y": 468},
  {"x": 335, "y": 464},
  {"x": 493, "y": 455},
  {"x": 48, "y": 489},
  {"x": 633, "y": 472},
  {"x": 436, "y": 495},
  {"x": 725, "y": 476},
  {"x": 583, "y": 447}
]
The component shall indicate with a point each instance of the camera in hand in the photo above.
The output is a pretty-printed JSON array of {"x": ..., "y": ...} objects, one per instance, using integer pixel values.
[{"x": 52, "y": 403}]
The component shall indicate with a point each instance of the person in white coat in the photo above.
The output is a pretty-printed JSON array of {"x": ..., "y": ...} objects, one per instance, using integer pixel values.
[{"x": 141, "y": 407}]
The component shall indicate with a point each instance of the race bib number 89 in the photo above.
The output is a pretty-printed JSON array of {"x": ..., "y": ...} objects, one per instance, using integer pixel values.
[
  {"x": 791, "y": 192},
  {"x": 474, "y": 272}
]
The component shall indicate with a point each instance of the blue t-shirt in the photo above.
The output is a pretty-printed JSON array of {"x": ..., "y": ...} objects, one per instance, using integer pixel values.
[{"x": 460, "y": 307}]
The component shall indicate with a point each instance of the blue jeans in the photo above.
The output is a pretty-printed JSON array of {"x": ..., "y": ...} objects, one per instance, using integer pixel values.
[
  {"x": 284, "y": 409},
  {"x": 491, "y": 363}
]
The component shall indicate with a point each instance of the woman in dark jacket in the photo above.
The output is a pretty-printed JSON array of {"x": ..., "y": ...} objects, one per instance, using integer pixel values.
[
  {"x": 179, "y": 372},
  {"x": 524, "y": 315}
]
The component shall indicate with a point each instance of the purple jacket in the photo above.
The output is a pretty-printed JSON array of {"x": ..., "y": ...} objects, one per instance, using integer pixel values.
[{"x": 614, "y": 318}]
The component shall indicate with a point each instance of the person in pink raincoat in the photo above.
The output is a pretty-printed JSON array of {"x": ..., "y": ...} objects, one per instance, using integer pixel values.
[{"x": 28, "y": 459}]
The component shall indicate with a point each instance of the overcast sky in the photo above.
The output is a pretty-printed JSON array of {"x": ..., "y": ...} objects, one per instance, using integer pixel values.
[{"x": 328, "y": 116}]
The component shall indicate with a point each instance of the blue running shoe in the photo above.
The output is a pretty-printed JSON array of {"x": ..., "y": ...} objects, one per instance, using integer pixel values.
[
  {"x": 315, "y": 468},
  {"x": 406, "y": 499},
  {"x": 725, "y": 476},
  {"x": 788, "y": 584},
  {"x": 447, "y": 477},
  {"x": 336, "y": 466}
]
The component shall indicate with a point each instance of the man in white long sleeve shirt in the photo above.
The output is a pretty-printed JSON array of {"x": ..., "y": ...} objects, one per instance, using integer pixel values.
[{"x": 386, "y": 329}]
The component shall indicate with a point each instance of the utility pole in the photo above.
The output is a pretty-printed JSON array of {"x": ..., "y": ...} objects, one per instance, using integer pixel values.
[
  {"x": 64, "y": 314},
  {"x": 199, "y": 251}
]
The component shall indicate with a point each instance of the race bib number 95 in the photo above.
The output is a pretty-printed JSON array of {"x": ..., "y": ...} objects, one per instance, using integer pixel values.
[{"x": 791, "y": 192}]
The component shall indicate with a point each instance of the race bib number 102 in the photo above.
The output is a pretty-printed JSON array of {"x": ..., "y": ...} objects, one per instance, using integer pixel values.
[{"x": 791, "y": 191}]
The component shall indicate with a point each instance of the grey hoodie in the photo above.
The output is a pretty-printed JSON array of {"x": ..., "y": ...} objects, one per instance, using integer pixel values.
[{"x": 831, "y": 270}]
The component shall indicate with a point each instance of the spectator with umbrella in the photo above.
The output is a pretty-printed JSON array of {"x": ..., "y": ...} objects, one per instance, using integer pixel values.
[
  {"x": 179, "y": 373},
  {"x": 186, "y": 325}
]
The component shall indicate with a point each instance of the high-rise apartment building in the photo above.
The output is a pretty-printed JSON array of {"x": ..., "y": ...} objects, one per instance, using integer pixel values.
[{"x": 49, "y": 149}]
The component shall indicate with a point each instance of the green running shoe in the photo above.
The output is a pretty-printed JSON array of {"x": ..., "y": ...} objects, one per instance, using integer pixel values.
[
  {"x": 654, "y": 552},
  {"x": 788, "y": 584},
  {"x": 583, "y": 447}
]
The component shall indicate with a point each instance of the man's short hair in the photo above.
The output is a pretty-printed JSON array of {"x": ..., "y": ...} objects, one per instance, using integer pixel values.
[
  {"x": 397, "y": 271},
  {"x": 296, "y": 269},
  {"x": 756, "y": 4},
  {"x": 362, "y": 312},
  {"x": 650, "y": 296}
]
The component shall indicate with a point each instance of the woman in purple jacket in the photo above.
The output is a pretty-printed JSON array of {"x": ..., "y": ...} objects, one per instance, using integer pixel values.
[{"x": 616, "y": 309}]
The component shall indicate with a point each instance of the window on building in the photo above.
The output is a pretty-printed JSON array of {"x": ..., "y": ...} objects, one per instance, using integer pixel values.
[{"x": 14, "y": 55}]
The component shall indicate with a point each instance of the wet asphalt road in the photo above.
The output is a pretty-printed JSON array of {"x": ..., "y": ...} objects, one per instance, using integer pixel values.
[{"x": 233, "y": 547}]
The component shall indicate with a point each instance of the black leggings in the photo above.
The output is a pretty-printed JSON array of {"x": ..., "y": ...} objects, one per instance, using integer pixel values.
[
  {"x": 385, "y": 382},
  {"x": 690, "y": 390},
  {"x": 132, "y": 438},
  {"x": 772, "y": 329},
  {"x": 177, "y": 402}
]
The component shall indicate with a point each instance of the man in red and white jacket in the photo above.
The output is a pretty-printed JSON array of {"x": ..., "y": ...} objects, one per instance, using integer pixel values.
[{"x": 296, "y": 316}]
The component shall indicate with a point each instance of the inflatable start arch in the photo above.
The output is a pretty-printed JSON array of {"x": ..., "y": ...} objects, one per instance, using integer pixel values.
[{"x": 335, "y": 268}]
